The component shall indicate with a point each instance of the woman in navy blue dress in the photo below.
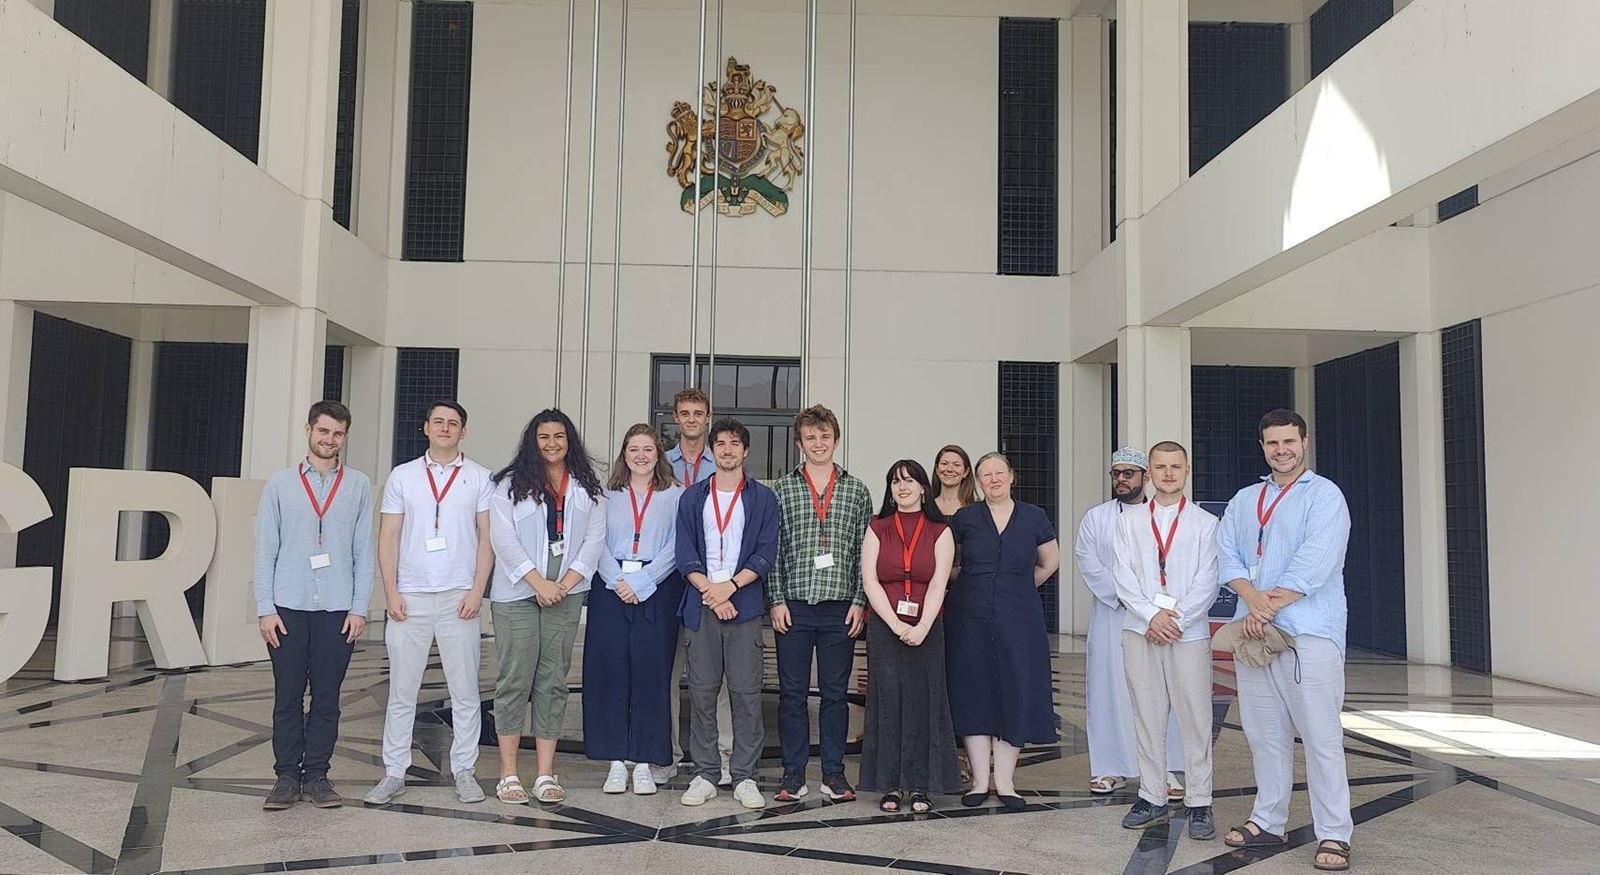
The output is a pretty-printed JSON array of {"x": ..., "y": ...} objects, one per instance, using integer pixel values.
[{"x": 998, "y": 656}]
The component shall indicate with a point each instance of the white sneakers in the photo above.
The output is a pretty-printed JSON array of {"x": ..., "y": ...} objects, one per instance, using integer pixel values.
[
  {"x": 663, "y": 774},
  {"x": 616, "y": 779},
  {"x": 644, "y": 782},
  {"x": 700, "y": 792},
  {"x": 749, "y": 795}
]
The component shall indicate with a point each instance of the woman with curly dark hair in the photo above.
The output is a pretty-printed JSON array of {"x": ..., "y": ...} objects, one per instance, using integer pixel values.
[{"x": 548, "y": 527}]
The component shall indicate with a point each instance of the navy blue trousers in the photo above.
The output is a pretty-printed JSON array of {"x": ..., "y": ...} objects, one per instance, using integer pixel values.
[
  {"x": 627, "y": 674},
  {"x": 818, "y": 629},
  {"x": 313, "y": 652}
]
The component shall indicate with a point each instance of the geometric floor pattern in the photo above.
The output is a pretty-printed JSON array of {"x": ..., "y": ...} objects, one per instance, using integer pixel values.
[{"x": 150, "y": 771}]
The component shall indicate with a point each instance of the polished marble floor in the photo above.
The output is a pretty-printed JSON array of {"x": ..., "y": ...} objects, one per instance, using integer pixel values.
[{"x": 151, "y": 771}]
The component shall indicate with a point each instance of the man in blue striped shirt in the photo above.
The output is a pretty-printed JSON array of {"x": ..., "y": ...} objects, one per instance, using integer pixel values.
[
  {"x": 1281, "y": 547},
  {"x": 314, "y": 559}
]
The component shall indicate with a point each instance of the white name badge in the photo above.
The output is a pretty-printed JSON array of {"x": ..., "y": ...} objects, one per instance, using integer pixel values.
[
  {"x": 321, "y": 560},
  {"x": 632, "y": 566},
  {"x": 1165, "y": 602},
  {"x": 558, "y": 548},
  {"x": 907, "y": 608},
  {"x": 434, "y": 545},
  {"x": 1255, "y": 573},
  {"x": 721, "y": 576},
  {"x": 823, "y": 560}
]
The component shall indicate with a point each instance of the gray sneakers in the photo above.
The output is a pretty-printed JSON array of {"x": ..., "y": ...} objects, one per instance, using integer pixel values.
[
  {"x": 388, "y": 790},
  {"x": 319, "y": 791},
  {"x": 467, "y": 789}
]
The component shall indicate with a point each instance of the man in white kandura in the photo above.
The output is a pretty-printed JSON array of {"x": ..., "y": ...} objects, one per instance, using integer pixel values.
[{"x": 1110, "y": 714}]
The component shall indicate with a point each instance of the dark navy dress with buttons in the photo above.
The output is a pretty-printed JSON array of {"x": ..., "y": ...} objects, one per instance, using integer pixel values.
[{"x": 997, "y": 654}]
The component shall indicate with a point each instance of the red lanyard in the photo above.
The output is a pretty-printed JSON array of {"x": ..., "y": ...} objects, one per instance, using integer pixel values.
[
  {"x": 1162, "y": 549},
  {"x": 908, "y": 548},
  {"x": 560, "y": 502},
  {"x": 1264, "y": 518},
  {"x": 323, "y": 509},
  {"x": 693, "y": 473},
  {"x": 821, "y": 502},
  {"x": 722, "y": 524},
  {"x": 639, "y": 512},
  {"x": 439, "y": 494}
]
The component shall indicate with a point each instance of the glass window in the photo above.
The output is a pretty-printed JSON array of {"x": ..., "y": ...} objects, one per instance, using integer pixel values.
[{"x": 764, "y": 394}]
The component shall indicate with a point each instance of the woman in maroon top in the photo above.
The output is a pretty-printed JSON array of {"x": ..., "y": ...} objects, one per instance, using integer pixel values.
[{"x": 909, "y": 743}]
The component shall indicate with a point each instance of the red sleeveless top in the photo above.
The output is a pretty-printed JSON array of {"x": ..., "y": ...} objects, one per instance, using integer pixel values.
[{"x": 891, "y": 556}]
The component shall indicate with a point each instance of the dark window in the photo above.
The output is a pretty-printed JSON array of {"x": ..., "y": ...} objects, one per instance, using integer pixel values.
[
  {"x": 436, "y": 162},
  {"x": 344, "y": 138},
  {"x": 1358, "y": 448},
  {"x": 120, "y": 30},
  {"x": 1111, "y": 132},
  {"x": 762, "y": 393},
  {"x": 1465, "y": 505},
  {"x": 1238, "y": 73},
  {"x": 217, "y": 58},
  {"x": 197, "y": 424},
  {"x": 77, "y": 418},
  {"x": 1029, "y": 436},
  {"x": 1339, "y": 24},
  {"x": 1227, "y": 404},
  {"x": 422, "y": 376},
  {"x": 1029, "y": 49},
  {"x": 1458, "y": 203},
  {"x": 333, "y": 374}
]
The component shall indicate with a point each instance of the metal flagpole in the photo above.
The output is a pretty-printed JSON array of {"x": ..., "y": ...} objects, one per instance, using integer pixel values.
[
  {"x": 566, "y": 185},
  {"x": 588, "y": 227},
  {"x": 616, "y": 236},
  {"x": 810, "y": 173},
  {"x": 694, "y": 177},
  {"x": 716, "y": 176},
  {"x": 849, "y": 219}
]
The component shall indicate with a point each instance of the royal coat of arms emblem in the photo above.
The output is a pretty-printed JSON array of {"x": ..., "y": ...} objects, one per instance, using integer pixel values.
[{"x": 748, "y": 149}]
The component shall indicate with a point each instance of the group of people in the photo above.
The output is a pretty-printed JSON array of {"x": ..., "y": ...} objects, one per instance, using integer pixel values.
[
  {"x": 678, "y": 554},
  {"x": 1155, "y": 565}
]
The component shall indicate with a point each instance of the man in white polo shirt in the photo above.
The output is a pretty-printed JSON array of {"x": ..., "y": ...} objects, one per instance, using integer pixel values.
[{"x": 435, "y": 560}]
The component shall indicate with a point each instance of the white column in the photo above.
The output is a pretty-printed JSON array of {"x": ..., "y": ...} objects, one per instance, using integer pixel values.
[
  {"x": 136, "y": 448},
  {"x": 371, "y": 373},
  {"x": 1085, "y": 138},
  {"x": 283, "y": 380},
  {"x": 163, "y": 33},
  {"x": 1422, "y": 484},
  {"x": 300, "y": 95},
  {"x": 16, "y": 354},
  {"x": 1152, "y": 102},
  {"x": 1153, "y": 379},
  {"x": 1299, "y": 55},
  {"x": 1083, "y": 389},
  {"x": 385, "y": 66},
  {"x": 1305, "y": 404}
]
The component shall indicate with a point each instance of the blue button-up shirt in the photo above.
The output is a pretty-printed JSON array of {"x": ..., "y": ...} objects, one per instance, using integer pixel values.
[
  {"x": 286, "y": 539},
  {"x": 657, "y": 540},
  {"x": 1302, "y": 550},
  {"x": 684, "y": 469}
]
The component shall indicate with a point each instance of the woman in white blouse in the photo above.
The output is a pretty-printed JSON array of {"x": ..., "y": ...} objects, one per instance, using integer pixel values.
[
  {"x": 632, "y": 630},
  {"x": 547, "y": 525}
]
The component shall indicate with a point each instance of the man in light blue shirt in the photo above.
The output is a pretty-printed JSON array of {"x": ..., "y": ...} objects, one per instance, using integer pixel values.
[
  {"x": 1281, "y": 547},
  {"x": 314, "y": 560}
]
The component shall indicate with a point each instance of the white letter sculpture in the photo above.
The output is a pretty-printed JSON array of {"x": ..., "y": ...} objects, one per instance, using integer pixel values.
[
  {"x": 24, "y": 592},
  {"x": 230, "y": 632}
]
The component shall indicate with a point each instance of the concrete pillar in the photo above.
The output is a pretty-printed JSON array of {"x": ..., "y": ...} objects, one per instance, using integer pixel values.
[
  {"x": 1305, "y": 404},
  {"x": 163, "y": 33},
  {"x": 371, "y": 374},
  {"x": 385, "y": 100},
  {"x": 136, "y": 449},
  {"x": 1299, "y": 54},
  {"x": 1153, "y": 379},
  {"x": 1083, "y": 404},
  {"x": 1422, "y": 483},
  {"x": 1085, "y": 138},
  {"x": 16, "y": 354},
  {"x": 1152, "y": 102},
  {"x": 283, "y": 380},
  {"x": 300, "y": 95}
]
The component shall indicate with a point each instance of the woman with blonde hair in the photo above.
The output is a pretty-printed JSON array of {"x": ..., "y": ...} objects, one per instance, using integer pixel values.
[
  {"x": 998, "y": 654},
  {"x": 632, "y": 630}
]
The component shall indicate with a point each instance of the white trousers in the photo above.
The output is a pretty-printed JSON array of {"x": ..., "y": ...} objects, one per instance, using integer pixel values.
[
  {"x": 432, "y": 616},
  {"x": 1273, "y": 706},
  {"x": 1108, "y": 712},
  {"x": 1166, "y": 681}
]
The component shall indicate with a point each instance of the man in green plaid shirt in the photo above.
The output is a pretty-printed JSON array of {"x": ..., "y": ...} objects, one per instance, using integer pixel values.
[{"x": 815, "y": 599}]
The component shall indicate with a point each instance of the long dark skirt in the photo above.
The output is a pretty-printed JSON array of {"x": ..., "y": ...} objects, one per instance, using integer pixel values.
[
  {"x": 627, "y": 675},
  {"x": 909, "y": 743}
]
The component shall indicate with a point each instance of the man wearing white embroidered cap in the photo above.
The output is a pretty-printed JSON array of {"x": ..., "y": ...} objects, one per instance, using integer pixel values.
[
  {"x": 1110, "y": 714},
  {"x": 1166, "y": 576}
]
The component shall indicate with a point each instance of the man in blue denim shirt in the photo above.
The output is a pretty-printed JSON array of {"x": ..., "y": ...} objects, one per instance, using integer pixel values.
[
  {"x": 1281, "y": 547},
  {"x": 314, "y": 559},
  {"x": 727, "y": 542}
]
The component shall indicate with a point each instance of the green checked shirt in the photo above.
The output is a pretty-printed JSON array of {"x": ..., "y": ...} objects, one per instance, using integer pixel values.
[{"x": 795, "y": 577}]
